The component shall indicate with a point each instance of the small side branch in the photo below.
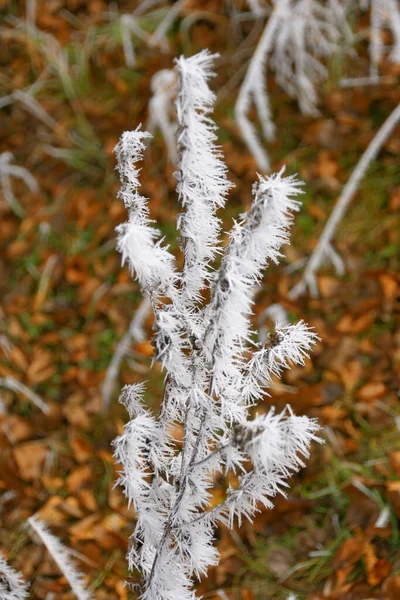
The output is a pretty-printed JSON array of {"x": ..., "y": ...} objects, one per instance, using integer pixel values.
[
  {"x": 213, "y": 454},
  {"x": 16, "y": 386},
  {"x": 253, "y": 89},
  {"x": 62, "y": 558},
  {"x": 135, "y": 333}
]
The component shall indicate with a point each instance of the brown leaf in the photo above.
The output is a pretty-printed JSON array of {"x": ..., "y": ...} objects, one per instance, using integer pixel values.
[
  {"x": 390, "y": 289},
  {"x": 328, "y": 286},
  {"x": 122, "y": 590},
  {"x": 394, "y": 201},
  {"x": 30, "y": 458},
  {"x": 371, "y": 391},
  {"x": 80, "y": 447},
  {"x": 17, "y": 429},
  {"x": 377, "y": 571},
  {"x": 51, "y": 511},
  {"x": 393, "y": 492},
  {"x": 326, "y": 169},
  {"x": 394, "y": 459},
  {"x": 87, "y": 499},
  {"x": 348, "y": 324},
  {"x": 79, "y": 478},
  {"x": 84, "y": 529},
  {"x": 350, "y": 551},
  {"x": 41, "y": 368},
  {"x": 71, "y": 507},
  {"x": 76, "y": 414},
  {"x": 351, "y": 374},
  {"x": 391, "y": 587},
  {"x": 18, "y": 358}
]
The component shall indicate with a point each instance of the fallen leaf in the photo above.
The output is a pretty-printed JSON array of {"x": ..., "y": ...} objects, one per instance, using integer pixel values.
[
  {"x": 17, "y": 429},
  {"x": 394, "y": 459},
  {"x": 371, "y": 391},
  {"x": 391, "y": 587},
  {"x": 349, "y": 324},
  {"x": 51, "y": 511},
  {"x": 393, "y": 492},
  {"x": 30, "y": 459},
  {"x": 79, "y": 478},
  {"x": 41, "y": 368}
]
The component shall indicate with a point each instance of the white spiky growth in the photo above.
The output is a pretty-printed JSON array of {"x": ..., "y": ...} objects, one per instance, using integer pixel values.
[
  {"x": 202, "y": 184},
  {"x": 298, "y": 36},
  {"x": 214, "y": 371},
  {"x": 12, "y": 585},
  {"x": 61, "y": 556},
  {"x": 152, "y": 264}
]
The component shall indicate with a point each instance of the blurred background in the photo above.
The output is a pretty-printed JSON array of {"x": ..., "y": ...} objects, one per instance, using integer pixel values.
[{"x": 76, "y": 74}]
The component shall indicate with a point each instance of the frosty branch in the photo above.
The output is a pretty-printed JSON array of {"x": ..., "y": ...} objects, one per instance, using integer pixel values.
[
  {"x": 298, "y": 36},
  {"x": 214, "y": 372}
]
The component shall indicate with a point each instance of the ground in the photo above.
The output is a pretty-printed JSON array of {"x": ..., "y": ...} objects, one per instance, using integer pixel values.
[{"x": 66, "y": 302}]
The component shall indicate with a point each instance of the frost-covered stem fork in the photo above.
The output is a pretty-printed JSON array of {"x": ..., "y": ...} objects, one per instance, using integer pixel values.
[{"x": 205, "y": 349}]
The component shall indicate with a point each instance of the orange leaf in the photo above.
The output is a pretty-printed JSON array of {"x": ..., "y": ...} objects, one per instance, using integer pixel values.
[
  {"x": 41, "y": 367},
  {"x": 391, "y": 587},
  {"x": 371, "y": 391},
  {"x": 144, "y": 348},
  {"x": 394, "y": 458},
  {"x": 30, "y": 458}
]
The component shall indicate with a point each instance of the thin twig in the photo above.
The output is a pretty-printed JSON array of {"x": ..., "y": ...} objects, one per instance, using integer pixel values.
[
  {"x": 16, "y": 386},
  {"x": 324, "y": 248}
]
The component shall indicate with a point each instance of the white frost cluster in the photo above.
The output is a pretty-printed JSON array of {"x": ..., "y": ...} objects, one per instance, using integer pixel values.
[
  {"x": 311, "y": 33},
  {"x": 215, "y": 372},
  {"x": 298, "y": 37},
  {"x": 12, "y": 585},
  {"x": 151, "y": 262}
]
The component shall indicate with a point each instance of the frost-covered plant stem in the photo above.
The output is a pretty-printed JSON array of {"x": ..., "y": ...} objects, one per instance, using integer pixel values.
[
  {"x": 12, "y": 585},
  {"x": 214, "y": 371},
  {"x": 159, "y": 37},
  {"x": 129, "y": 26},
  {"x": 135, "y": 333},
  {"x": 62, "y": 558},
  {"x": 8, "y": 170},
  {"x": 253, "y": 90},
  {"x": 324, "y": 248},
  {"x": 10, "y": 383},
  {"x": 298, "y": 37}
]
